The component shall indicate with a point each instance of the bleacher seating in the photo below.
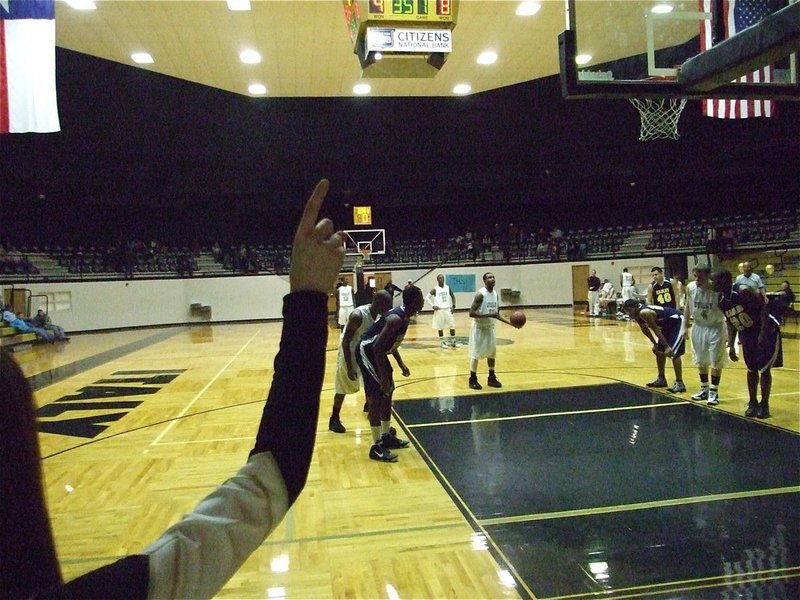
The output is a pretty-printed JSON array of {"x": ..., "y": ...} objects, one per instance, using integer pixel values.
[{"x": 492, "y": 245}]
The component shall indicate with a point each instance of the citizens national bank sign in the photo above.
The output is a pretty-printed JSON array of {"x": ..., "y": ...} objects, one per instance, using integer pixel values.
[{"x": 392, "y": 39}]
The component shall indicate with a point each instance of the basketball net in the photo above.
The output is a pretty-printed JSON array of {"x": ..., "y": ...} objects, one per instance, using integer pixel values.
[{"x": 659, "y": 117}]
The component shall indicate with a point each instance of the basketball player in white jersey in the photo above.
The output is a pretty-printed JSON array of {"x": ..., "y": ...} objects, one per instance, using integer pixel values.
[
  {"x": 628, "y": 286},
  {"x": 347, "y": 371},
  {"x": 443, "y": 301},
  {"x": 345, "y": 303},
  {"x": 708, "y": 332},
  {"x": 484, "y": 310}
]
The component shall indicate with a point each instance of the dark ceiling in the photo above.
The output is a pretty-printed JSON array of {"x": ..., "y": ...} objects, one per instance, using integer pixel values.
[{"x": 134, "y": 137}]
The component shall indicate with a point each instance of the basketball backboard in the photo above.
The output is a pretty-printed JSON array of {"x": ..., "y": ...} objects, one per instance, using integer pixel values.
[
  {"x": 356, "y": 241},
  {"x": 690, "y": 48}
]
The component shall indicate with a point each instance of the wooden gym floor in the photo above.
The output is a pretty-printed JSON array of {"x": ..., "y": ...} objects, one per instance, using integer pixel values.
[{"x": 572, "y": 481}]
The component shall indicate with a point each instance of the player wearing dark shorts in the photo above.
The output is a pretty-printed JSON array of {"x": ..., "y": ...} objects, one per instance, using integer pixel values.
[
  {"x": 760, "y": 334},
  {"x": 380, "y": 340},
  {"x": 665, "y": 329}
]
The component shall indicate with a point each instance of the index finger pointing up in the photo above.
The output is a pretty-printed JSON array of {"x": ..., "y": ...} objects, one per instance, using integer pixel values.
[{"x": 311, "y": 211}]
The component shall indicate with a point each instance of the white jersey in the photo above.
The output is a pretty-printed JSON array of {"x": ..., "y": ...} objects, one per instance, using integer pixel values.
[
  {"x": 704, "y": 306},
  {"x": 343, "y": 384},
  {"x": 345, "y": 293},
  {"x": 366, "y": 323},
  {"x": 441, "y": 297},
  {"x": 627, "y": 280},
  {"x": 488, "y": 306}
]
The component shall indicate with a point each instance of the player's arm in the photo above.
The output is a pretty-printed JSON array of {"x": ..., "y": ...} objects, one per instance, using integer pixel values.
[
  {"x": 650, "y": 299},
  {"x": 651, "y": 329},
  {"x": 353, "y": 323},
  {"x": 399, "y": 360},
  {"x": 383, "y": 347},
  {"x": 502, "y": 319},
  {"x": 452, "y": 300},
  {"x": 477, "y": 301},
  {"x": 431, "y": 298},
  {"x": 731, "y": 340},
  {"x": 687, "y": 314},
  {"x": 196, "y": 556}
]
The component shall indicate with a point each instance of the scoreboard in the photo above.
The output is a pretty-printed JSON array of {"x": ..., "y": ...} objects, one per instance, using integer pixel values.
[
  {"x": 401, "y": 38},
  {"x": 411, "y": 10},
  {"x": 437, "y": 13}
]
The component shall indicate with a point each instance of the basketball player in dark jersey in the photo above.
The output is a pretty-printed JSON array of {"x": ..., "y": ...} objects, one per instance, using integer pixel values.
[
  {"x": 665, "y": 328},
  {"x": 380, "y": 340},
  {"x": 660, "y": 291},
  {"x": 760, "y": 334}
]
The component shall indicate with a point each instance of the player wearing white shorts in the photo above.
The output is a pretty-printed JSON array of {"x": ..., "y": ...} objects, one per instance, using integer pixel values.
[
  {"x": 708, "y": 332},
  {"x": 443, "y": 301},
  {"x": 628, "y": 286},
  {"x": 345, "y": 303},
  {"x": 484, "y": 310},
  {"x": 347, "y": 371}
]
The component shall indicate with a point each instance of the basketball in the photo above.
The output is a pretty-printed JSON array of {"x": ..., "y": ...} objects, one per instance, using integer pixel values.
[
  {"x": 518, "y": 318},
  {"x": 769, "y": 269}
]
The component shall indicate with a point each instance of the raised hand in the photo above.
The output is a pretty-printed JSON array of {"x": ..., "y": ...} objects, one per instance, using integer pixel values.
[{"x": 318, "y": 250}]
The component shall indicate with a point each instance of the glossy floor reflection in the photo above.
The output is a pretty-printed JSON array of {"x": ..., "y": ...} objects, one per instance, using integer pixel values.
[{"x": 617, "y": 491}]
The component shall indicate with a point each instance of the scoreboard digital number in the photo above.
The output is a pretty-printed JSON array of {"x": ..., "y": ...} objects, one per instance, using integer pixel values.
[
  {"x": 412, "y": 10},
  {"x": 362, "y": 215}
]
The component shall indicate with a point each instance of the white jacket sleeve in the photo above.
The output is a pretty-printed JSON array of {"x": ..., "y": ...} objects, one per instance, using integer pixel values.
[{"x": 195, "y": 557}]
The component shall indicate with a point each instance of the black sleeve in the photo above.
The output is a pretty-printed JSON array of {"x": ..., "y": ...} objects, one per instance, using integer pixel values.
[
  {"x": 289, "y": 421},
  {"x": 126, "y": 578}
]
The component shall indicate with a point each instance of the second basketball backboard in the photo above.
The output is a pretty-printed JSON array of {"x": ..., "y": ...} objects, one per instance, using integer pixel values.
[{"x": 689, "y": 48}]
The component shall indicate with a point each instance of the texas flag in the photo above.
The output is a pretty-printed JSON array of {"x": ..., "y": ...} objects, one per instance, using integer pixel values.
[{"x": 28, "y": 67}]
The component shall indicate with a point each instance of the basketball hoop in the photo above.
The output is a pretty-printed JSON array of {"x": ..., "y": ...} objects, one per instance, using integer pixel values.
[
  {"x": 365, "y": 253},
  {"x": 659, "y": 117}
]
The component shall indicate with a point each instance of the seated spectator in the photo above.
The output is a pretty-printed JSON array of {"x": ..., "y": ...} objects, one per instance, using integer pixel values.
[
  {"x": 42, "y": 320},
  {"x": 781, "y": 301},
  {"x": 608, "y": 297},
  {"x": 20, "y": 325}
]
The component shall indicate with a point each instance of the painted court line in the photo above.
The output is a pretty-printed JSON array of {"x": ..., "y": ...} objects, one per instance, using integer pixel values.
[
  {"x": 686, "y": 585},
  {"x": 640, "y": 506},
  {"x": 551, "y": 414},
  {"x": 203, "y": 391}
]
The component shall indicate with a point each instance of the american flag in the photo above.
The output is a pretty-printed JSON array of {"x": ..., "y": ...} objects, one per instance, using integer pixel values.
[
  {"x": 738, "y": 15},
  {"x": 28, "y": 67}
]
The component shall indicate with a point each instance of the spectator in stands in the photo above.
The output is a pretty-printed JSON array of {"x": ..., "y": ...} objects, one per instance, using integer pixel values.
[
  {"x": 20, "y": 325},
  {"x": 42, "y": 320},
  {"x": 727, "y": 239}
]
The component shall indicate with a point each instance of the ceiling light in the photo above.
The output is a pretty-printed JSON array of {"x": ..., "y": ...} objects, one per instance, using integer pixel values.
[
  {"x": 257, "y": 89},
  {"x": 142, "y": 58},
  {"x": 362, "y": 88},
  {"x": 81, "y": 4},
  {"x": 487, "y": 58},
  {"x": 462, "y": 88},
  {"x": 661, "y": 9},
  {"x": 250, "y": 57},
  {"x": 526, "y": 9},
  {"x": 583, "y": 59},
  {"x": 238, "y": 4}
]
